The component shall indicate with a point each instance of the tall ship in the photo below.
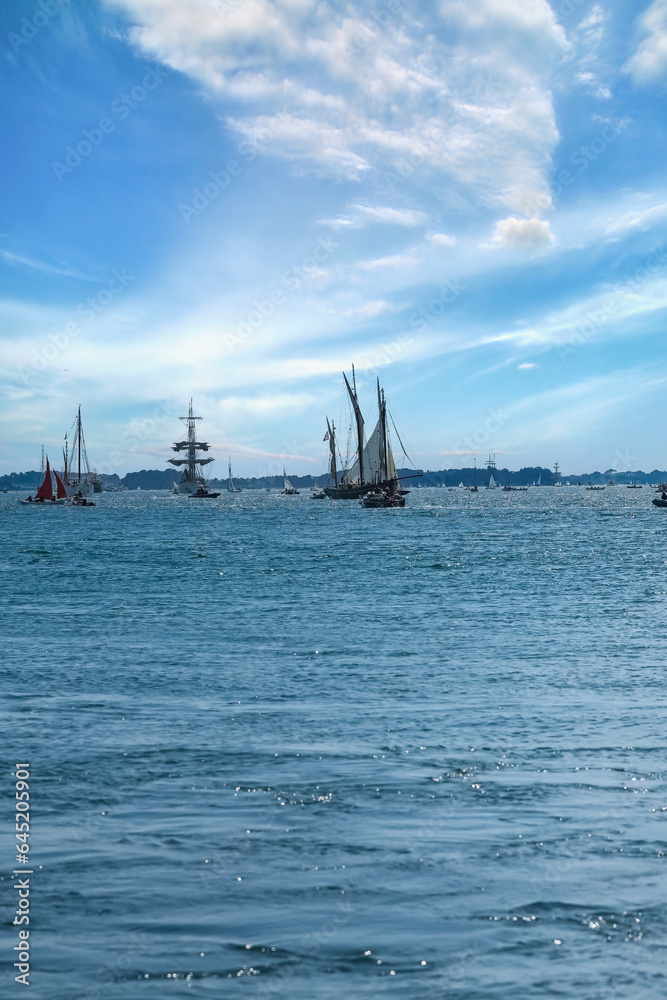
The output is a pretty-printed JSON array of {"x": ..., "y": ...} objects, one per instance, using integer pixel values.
[
  {"x": 374, "y": 465},
  {"x": 192, "y": 478},
  {"x": 77, "y": 476},
  {"x": 491, "y": 466}
]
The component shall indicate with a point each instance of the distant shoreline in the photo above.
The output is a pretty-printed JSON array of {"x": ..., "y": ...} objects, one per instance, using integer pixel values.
[{"x": 162, "y": 479}]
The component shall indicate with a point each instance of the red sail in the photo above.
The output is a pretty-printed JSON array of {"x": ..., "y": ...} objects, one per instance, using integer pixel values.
[
  {"x": 45, "y": 492},
  {"x": 61, "y": 492}
]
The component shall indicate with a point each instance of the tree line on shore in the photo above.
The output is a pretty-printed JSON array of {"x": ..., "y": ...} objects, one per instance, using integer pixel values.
[{"x": 158, "y": 479}]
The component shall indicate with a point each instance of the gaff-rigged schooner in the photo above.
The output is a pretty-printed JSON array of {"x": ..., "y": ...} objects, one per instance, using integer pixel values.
[
  {"x": 374, "y": 465},
  {"x": 77, "y": 475},
  {"x": 192, "y": 478},
  {"x": 230, "y": 483}
]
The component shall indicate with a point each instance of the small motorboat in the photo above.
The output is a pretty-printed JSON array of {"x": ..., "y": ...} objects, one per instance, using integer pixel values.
[
  {"x": 382, "y": 498},
  {"x": 78, "y": 500},
  {"x": 319, "y": 495},
  {"x": 659, "y": 503},
  {"x": 595, "y": 488},
  {"x": 634, "y": 486},
  {"x": 203, "y": 494}
]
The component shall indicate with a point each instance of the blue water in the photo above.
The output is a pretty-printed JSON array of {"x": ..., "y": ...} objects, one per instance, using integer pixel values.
[{"x": 292, "y": 748}]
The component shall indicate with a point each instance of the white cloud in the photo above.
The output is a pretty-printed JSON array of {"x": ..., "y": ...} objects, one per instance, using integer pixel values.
[
  {"x": 650, "y": 60},
  {"x": 394, "y": 216},
  {"x": 369, "y": 310},
  {"x": 637, "y": 220},
  {"x": 340, "y": 92},
  {"x": 36, "y": 265},
  {"x": 587, "y": 41},
  {"x": 391, "y": 260},
  {"x": 526, "y": 365},
  {"x": 442, "y": 239},
  {"x": 526, "y": 234},
  {"x": 364, "y": 214}
]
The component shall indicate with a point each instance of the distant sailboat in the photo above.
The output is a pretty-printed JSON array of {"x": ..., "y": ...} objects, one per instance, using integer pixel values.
[
  {"x": 492, "y": 484},
  {"x": 288, "y": 488},
  {"x": 77, "y": 480},
  {"x": 230, "y": 484}
]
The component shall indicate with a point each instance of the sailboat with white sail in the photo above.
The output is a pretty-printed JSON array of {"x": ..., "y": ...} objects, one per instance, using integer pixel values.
[
  {"x": 231, "y": 488},
  {"x": 491, "y": 466},
  {"x": 288, "y": 489},
  {"x": 374, "y": 466}
]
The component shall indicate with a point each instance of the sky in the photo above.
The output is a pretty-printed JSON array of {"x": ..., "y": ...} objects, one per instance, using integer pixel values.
[{"x": 236, "y": 200}]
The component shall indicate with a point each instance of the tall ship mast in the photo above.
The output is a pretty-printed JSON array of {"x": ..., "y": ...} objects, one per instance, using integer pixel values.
[
  {"x": 192, "y": 477},
  {"x": 77, "y": 476},
  {"x": 374, "y": 464}
]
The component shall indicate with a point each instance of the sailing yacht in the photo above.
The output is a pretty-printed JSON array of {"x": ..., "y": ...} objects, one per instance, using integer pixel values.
[
  {"x": 288, "y": 488},
  {"x": 230, "y": 483},
  {"x": 77, "y": 475},
  {"x": 44, "y": 497},
  {"x": 374, "y": 465},
  {"x": 192, "y": 478}
]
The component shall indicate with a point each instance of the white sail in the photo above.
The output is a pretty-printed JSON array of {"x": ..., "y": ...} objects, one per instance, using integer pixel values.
[
  {"x": 492, "y": 483},
  {"x": 374, "y": 465},
  {"x": 539, "y": 479}
]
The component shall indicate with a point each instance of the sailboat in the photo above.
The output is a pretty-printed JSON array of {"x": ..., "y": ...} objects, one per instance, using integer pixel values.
[
  {"x": 230, "y": 483},
  {"x": 192, "y": 479},
  {"x": 44, "y": 497},
  {"x": 77, "y": 475},
  {"x": 473, "y": 488},
  {"x": 288, "y": 488},
  {"x": 374, "y": 466}
]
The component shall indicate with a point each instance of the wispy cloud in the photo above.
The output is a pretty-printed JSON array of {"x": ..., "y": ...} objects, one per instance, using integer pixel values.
[{"x": 649, "y": 62}]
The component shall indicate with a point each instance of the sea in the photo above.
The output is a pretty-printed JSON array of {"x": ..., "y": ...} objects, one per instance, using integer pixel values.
[{"x": 292, "y": 748}]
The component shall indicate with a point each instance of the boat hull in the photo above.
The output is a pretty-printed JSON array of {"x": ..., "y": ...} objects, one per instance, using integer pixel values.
[
  {"x": 357, "y": 491},
  {"x": 188, "y": 487},
  {"x": 85, "y": 487},
  {"x": 43, "y": 503},
  {"x": 660, "y": 503}
]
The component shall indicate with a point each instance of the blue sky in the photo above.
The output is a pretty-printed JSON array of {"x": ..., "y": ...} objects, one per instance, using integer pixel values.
[{"x": 236, "y": 199}]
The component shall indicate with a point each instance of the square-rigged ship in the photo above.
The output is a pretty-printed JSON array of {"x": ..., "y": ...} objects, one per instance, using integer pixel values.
[{"x": 192, "y": 478}]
